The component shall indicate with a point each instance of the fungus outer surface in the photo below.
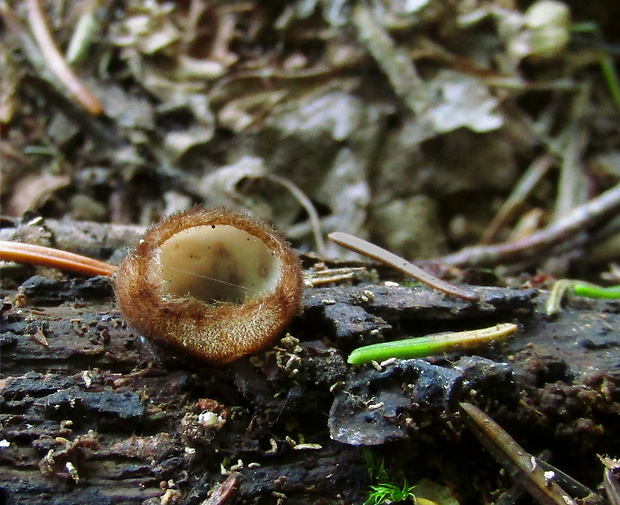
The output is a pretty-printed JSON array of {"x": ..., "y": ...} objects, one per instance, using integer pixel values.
[{"x": 211, "y": 283}]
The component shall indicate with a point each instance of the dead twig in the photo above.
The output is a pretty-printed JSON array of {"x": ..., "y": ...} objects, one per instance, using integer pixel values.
[
  {"x": 532, "y": 176},
  {"x": 543, "y": 242}
]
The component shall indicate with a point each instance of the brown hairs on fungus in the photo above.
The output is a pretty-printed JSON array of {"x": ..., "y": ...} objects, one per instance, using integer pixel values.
[{"x": 216, "y": 284}]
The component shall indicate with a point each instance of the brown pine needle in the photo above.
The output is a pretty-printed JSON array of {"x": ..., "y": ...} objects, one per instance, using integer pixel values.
[
  {"x": 55, "y": 60},
  {"x": 515, "y": 460},
  {"x": 48, "y": 257},
  {"x": 375, "y": 252}
]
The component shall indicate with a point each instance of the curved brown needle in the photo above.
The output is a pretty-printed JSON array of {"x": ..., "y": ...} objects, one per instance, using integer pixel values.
[
  {"x": 55, "y": 60},
  {"x": 54, "y": 258},
  {"x": 375, "y": 252}
]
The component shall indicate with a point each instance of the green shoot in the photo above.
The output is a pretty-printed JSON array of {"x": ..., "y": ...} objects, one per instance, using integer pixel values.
[
  {"x": 592, "y": 291},
  {"x": 579, "y": 288},
  {"x": 387, "y": 493},
  {"x": 430, "y": 345},
  {"x": 384, "y": 491}
]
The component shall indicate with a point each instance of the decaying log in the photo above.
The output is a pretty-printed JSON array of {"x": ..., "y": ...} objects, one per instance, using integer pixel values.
[{"x": 91, "y": 413}]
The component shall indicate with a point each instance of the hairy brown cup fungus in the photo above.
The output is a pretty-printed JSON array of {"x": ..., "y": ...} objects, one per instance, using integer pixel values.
[{"x": 213, "y": 283}]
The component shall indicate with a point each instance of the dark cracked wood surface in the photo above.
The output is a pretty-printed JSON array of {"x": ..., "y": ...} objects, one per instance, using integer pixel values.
[{"x": 92, "y": 414}]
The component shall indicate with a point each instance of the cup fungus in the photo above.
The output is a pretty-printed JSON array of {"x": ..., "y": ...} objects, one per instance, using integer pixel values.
[{"x": 213, "y": 283}]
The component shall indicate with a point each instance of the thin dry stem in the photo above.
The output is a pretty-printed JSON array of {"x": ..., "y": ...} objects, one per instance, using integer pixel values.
[{"x": 307, "y": 204}]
